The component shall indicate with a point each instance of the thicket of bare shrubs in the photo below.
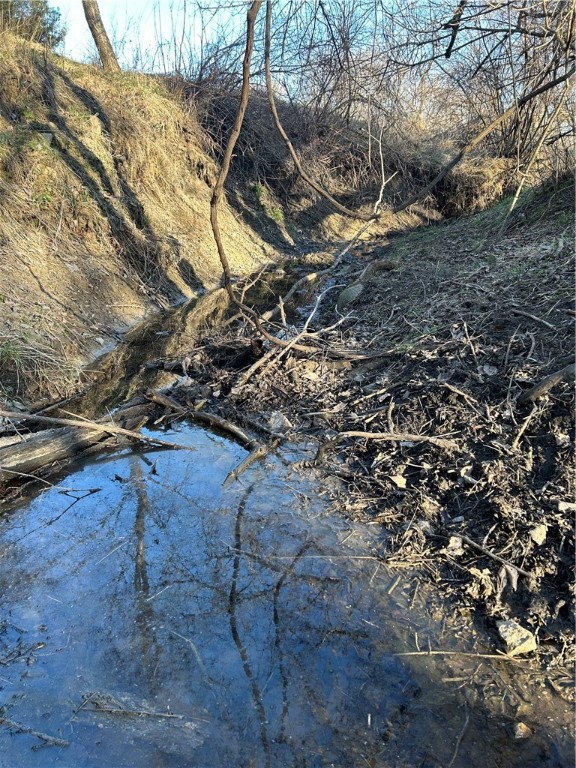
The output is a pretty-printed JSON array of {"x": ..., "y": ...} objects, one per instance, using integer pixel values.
[{"x": 363, "y": 85}]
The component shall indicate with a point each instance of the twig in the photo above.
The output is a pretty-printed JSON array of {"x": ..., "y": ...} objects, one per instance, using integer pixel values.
[
  {"x": 400, "y": 437},
  {"x": 459, "y": 739},
  {"x": 194, "y": 651},
  {"x": 488, "y": 553},
  {"x": 132, "y": 712},
  {"x": 498, "y": 656},
  {"x": 469, "y": 340},
  {"x": 523, "y": 428},
  {"x": 18, "y": 653},
  {"x": 533, "y": 317}
]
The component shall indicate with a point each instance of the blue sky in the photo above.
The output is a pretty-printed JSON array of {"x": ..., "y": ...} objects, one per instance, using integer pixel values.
[
  {"x": 119, "y": 16},
  {"x": 140, "y": 25}
]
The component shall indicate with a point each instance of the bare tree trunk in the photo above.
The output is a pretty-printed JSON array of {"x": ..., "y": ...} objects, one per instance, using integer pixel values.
[{"x": 105, "y": 50}]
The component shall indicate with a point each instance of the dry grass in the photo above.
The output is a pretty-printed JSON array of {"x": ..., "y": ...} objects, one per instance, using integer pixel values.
[{"x": 104, "y": 202}]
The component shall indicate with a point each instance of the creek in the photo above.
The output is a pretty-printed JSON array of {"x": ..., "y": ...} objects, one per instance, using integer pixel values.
[{"x": 151, "y": 616}]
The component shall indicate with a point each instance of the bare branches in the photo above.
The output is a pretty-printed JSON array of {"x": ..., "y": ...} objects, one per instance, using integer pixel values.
[
  {"x": 293, "y": 154},
  {"x": 482, "y": 135}
]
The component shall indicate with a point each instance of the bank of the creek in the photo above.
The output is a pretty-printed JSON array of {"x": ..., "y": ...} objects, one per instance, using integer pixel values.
[{"x": 151, "y": 617}]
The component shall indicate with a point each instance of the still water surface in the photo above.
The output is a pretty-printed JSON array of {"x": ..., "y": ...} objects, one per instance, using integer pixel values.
[{"x": 153, "y": 618}]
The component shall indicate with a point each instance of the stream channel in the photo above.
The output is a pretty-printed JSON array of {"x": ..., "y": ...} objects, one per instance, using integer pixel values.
[{"x": 151, "y": 617}]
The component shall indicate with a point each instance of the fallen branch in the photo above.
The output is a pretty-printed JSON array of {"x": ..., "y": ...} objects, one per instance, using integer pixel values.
[
  {"x": 567, "y": 374},
  {"x": 400, "y": 437},
  {"x": 165, "y": 400}
]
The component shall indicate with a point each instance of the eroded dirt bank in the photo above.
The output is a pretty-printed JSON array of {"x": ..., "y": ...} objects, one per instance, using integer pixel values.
[{"x": 105, "y": 185}]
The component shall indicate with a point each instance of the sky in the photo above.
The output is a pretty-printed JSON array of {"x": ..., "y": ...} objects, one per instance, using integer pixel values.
[
  {"x": 134, "y": 25},
  {"x": 119, "y": 16}
]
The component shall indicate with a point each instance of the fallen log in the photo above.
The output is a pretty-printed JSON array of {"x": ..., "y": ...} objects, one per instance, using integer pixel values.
[
  {"x": 27, "y": 454},
  {"x": 38, "y": 450}
]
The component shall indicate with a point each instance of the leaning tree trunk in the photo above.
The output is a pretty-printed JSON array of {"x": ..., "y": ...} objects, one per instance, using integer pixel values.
[{"x": 105, "y": 50}]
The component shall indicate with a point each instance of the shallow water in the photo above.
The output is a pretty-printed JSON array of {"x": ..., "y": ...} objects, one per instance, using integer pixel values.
[{"x": 152, "y": 618}]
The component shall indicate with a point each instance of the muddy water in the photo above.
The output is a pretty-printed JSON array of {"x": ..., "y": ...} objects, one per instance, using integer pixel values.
[{"x": 151, "y": 617}]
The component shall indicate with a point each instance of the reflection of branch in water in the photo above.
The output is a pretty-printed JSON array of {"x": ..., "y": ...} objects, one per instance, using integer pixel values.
[
  {"x": 256, "y": 695},
  {"x": 49, "y": 741},
  {"x": 280, "y": 653},
  {"x": 144, "y": 615},
  {"x": 65, "y": 492}
]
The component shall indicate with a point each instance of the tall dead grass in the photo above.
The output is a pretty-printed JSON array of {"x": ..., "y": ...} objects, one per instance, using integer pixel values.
[{"x": 104, "y": 203}]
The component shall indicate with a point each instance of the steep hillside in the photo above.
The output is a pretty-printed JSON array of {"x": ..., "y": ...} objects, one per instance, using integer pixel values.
[{"x": 104, "y": 213}]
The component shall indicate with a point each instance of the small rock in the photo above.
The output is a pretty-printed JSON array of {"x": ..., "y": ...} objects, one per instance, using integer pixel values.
[
  {"x": 278, "y": 422},
  {"x": 516, "y": 639},
  {"x": 521, "y": 731},
  {"x": 538, "y": 533},
  {"x": 349, "y": 294}
]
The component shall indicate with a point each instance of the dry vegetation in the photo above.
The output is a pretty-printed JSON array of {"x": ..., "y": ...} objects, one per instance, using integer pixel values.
[{"x": 105, "y": 188}]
